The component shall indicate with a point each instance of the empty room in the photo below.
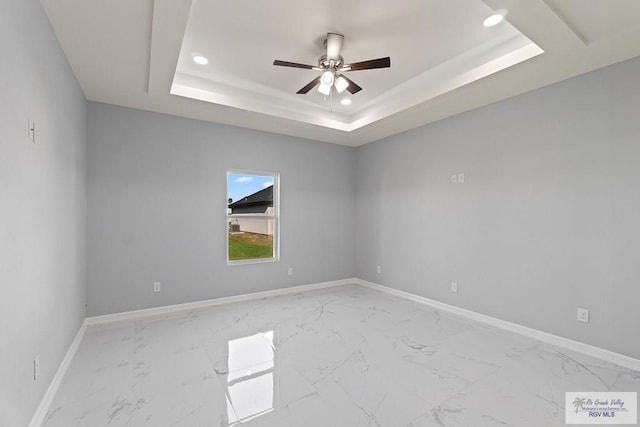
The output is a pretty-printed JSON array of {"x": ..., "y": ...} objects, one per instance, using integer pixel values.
[{"x": 356, "y": 213}]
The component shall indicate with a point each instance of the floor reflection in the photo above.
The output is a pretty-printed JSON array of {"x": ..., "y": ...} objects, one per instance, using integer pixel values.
[{"x": 252, "y": 377}]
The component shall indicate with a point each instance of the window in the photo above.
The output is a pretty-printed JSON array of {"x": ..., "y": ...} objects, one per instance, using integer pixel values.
[{"x": 252, "y": 217}]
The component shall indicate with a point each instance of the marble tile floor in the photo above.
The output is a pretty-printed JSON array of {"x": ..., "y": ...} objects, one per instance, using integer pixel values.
[{"x": 343, "y": 356}]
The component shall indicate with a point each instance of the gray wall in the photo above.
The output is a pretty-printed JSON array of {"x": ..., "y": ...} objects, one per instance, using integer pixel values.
[
  {"x": 157, "y": 206},
  {"x": 547, "y": 220},
  {"x": 42, "y": 207}
]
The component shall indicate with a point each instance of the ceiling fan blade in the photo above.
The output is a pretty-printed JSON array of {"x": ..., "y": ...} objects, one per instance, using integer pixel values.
[
  {"x": 334, "y": 45},
  {"x": 313, "y": 83},
  {"x": 369, "y": 65},
  {"x": 353, "y": 88},
  {"x": 293, "y": 64}
]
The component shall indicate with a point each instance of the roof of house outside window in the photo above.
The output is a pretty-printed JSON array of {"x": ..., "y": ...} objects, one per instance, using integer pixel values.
[{"x": 262, "y": 197}]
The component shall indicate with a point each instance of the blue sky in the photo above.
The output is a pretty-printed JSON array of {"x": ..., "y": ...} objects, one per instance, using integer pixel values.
[{"x": 242, "y": 185}]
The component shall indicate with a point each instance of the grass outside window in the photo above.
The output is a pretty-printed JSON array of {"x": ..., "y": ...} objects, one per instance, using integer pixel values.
[{"x": 249, "y": 245}]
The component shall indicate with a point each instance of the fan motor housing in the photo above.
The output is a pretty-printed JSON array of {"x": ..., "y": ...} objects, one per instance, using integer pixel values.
[{"x": 330, "y": 64}]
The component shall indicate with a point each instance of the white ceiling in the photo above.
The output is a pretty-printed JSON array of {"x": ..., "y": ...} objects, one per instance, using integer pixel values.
[
  {"x": 457, "y": 49},
  {"x": 443, "y": 61}
]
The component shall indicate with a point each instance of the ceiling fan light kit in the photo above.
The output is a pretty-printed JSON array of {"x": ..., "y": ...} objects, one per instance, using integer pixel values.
[
  {"x": 332, "y": 66},
  {"x": 324, "y": 89},
  {"x": 327, "y": 78},
  {"x": 341, "y": 84}
]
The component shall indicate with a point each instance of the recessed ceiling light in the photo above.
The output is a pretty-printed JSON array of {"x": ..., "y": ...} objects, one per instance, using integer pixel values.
[
  {"x": 496, "y": 18},
  {"x": 346, "y": 101},
  {"x": 201, "y": 60}
]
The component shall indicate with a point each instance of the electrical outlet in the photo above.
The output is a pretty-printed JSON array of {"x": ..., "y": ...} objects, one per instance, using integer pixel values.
[
  {"x": 290, "y": 271},
  {"x": 454, "y": 287},
  {"x": 454, "y": 179},
  {"x": 157, "y": 286},
  {"x": 36, "y": 367},
  {"x": 460, "y": 178},
  {"x": 583, "y": 315},
  {"x": 378, "y": 269}
]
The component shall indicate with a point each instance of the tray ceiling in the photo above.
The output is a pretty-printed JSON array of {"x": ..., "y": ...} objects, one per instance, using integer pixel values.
[{"x": 443, "y": 60}]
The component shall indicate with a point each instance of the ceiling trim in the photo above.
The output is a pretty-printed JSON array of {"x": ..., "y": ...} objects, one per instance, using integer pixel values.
[{"x": 568, "y": 23}]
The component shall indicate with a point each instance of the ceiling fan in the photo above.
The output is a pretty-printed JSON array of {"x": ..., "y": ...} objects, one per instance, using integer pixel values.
[{"x": 333, "y": 68}]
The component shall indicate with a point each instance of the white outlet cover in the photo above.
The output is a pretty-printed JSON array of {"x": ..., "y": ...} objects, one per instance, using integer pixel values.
[
  {"x": 157, "y": 286},
  {"x": 379, "y": 269},
  {"x": 454, "y": 178},
  {"x": 454, "y": 287},
  {"x": 461, "y": 178},
  {"x": 583, "y": 315},
  {"x": 290, "y": 271}
]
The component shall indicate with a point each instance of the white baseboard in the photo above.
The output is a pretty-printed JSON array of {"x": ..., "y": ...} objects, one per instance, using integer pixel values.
[
  {"x": 45, "y": 403},
  {"x": 168, "y": 309},
  {"x": 590, "y": 350}
]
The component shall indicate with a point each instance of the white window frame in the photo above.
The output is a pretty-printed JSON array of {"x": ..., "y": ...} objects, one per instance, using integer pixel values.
[{"x": 275, "y": 217}]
